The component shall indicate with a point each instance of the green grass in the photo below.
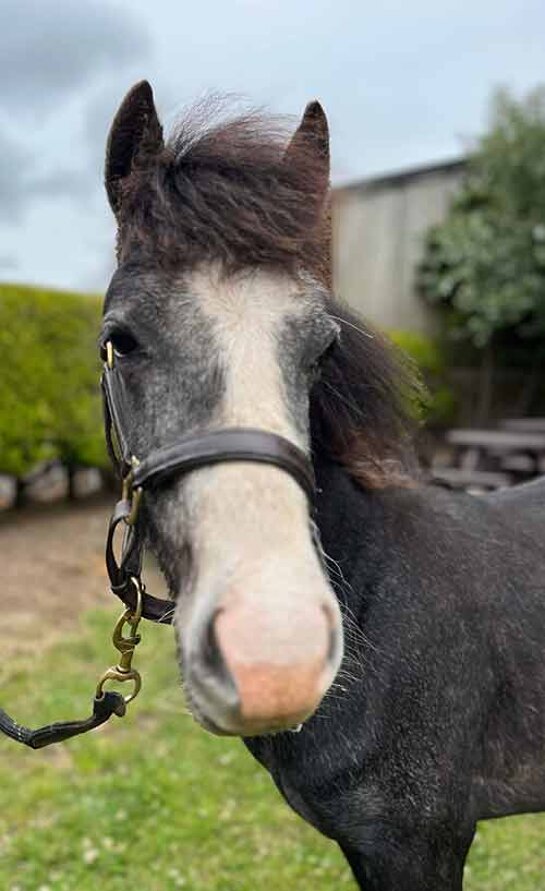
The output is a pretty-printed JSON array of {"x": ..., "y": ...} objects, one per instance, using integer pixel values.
[{"x": 155, "y": 803}]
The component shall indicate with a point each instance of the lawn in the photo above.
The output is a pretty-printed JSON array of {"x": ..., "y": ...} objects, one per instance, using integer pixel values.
[{"x": 154, "y": 803}]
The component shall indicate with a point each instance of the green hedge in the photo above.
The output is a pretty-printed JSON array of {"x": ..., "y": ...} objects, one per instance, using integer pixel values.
[{"x": 49, "y": 371}]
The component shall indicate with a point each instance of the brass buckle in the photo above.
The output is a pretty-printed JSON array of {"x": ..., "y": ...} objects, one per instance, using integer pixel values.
[{"x": 124, "y": 671}]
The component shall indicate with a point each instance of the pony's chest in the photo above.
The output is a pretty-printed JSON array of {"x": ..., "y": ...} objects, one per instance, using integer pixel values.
[
  {"x": 307, "y": 804},
  {"x": 305, "y": 778}
]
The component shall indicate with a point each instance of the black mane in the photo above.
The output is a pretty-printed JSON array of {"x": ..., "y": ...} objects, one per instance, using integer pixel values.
[{"x": 365, "y": 406}]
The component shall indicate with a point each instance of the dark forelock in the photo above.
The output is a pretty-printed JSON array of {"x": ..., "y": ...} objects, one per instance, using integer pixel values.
[{"x": 222, "y": 192}]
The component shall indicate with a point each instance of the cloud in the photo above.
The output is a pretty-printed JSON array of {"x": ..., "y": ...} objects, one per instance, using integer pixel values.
[
  {"x": 21, "y": 183},
  {"x": 50, "y": 49},
  {"x": 54, "y": 57}
]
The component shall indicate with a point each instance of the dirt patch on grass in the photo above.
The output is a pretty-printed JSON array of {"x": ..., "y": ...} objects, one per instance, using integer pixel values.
[{"x": 52, "y": 570}]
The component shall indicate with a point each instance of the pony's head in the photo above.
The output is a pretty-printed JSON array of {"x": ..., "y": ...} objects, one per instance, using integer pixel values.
[{"x": 220, "y": 315}]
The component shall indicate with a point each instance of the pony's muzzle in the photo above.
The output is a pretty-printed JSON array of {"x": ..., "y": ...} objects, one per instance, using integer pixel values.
[{"x": 258, "y": 673}]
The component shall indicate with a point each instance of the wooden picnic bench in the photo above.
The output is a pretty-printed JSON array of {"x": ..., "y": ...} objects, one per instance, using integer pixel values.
[
  {"x": 491, "y": 459},
  {"x": 524, "y": 425},
  {"x": 471, "y": 480},
  {"x": 488, "y": 449}
]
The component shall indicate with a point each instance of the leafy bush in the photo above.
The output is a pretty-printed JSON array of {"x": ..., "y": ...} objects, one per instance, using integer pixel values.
[
  {"x": 49, "y": 399},
  {"x": 486, "y": 262},
  {"x": 439, "y": 403}
]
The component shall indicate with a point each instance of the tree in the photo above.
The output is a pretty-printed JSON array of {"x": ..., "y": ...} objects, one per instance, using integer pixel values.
[
  {"x": 49, "y": 370},
  {"x": 485, "y": 264}
]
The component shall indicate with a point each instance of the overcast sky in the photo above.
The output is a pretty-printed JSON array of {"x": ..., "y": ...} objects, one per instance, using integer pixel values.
[{"x": 403, "y": 84}]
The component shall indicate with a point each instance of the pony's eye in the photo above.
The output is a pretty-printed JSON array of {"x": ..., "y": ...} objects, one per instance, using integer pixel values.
[{"x": 122, "y": 342}]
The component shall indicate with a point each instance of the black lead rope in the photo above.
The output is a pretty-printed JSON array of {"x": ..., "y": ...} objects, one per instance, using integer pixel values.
[
  {"x": 104, "y": 706},
  {"x": 213, "y": 447},
  {"x": 105, "y": 702}
]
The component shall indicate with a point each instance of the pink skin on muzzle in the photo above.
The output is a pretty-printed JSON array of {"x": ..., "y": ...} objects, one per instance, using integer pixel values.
[{"x": 280, "y": 663}]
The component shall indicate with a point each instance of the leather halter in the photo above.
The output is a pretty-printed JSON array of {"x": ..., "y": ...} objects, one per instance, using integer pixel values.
[{"x": 187, "y": 454}]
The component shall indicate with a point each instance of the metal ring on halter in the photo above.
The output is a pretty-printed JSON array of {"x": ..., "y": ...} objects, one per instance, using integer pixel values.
[{"x": 124, "y": 671}]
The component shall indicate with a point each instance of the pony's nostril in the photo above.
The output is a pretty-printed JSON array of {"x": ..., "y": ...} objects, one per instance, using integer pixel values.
[{"x": 210, "y": 652}]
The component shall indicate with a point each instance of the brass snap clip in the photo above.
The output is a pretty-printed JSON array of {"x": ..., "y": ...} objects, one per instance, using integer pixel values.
[{"x": 124, "y": 671}]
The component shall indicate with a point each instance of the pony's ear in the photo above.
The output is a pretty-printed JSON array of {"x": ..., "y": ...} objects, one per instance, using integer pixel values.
[
  {"x": 311, "y": 140},
  {"x": 135, "y": 131}
]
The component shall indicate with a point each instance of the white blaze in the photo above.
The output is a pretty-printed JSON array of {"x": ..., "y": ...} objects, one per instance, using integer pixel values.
[{"x": 250, "y": 522}]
